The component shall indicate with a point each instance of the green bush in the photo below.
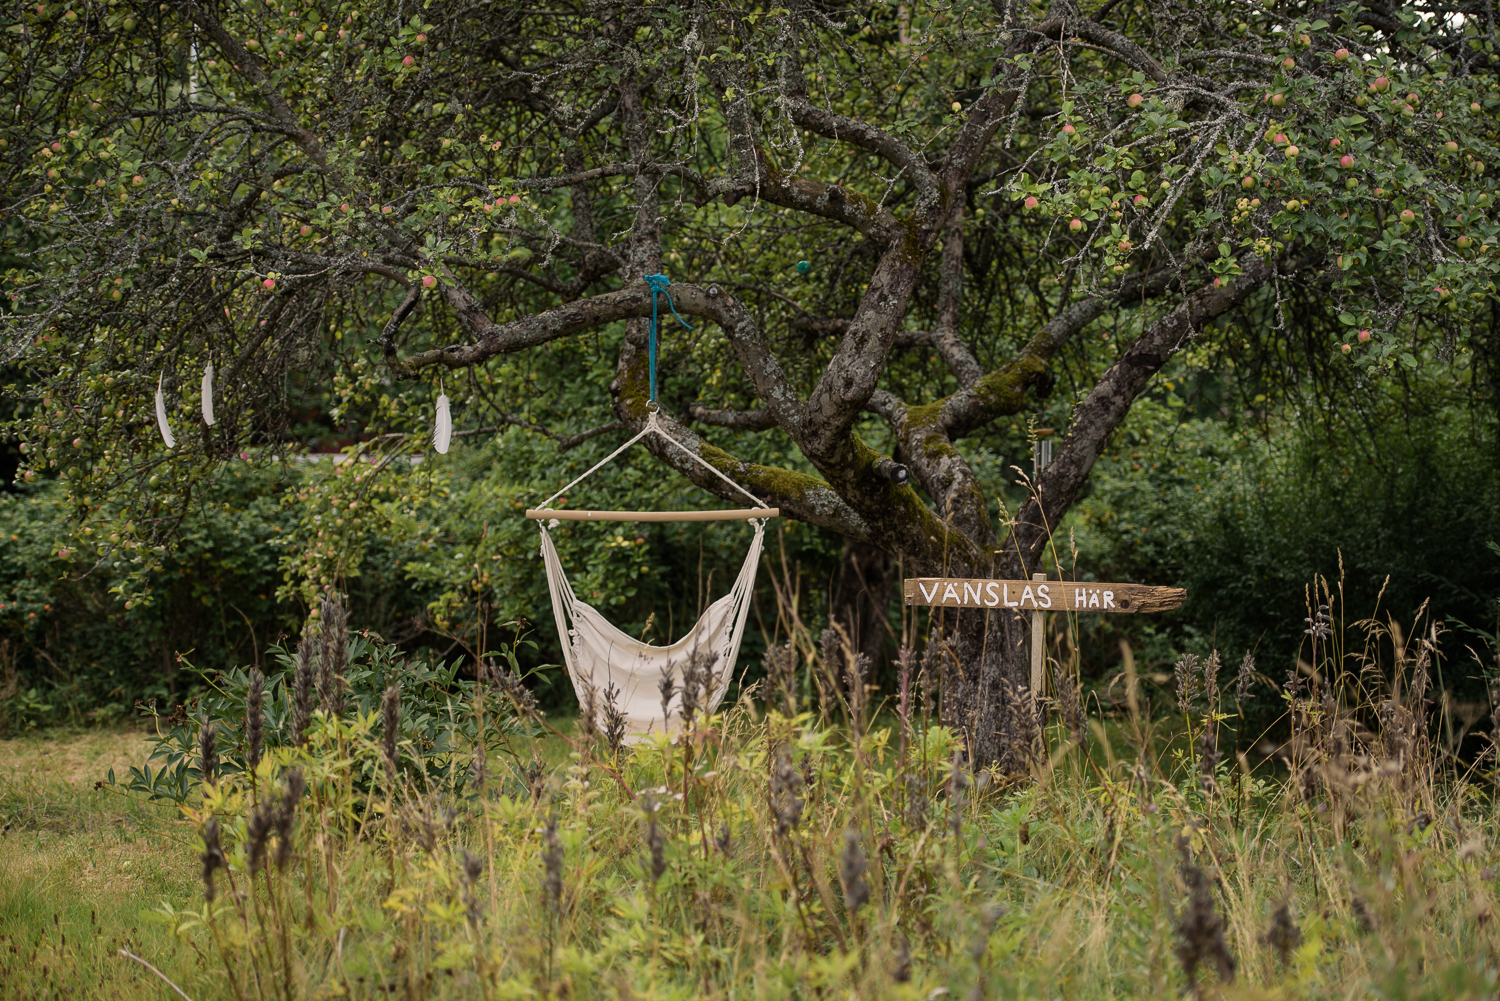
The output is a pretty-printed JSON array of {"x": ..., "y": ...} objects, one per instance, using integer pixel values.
[
  {"x": 438, "y": 724},
  {"x": 1246, "y": 522}
]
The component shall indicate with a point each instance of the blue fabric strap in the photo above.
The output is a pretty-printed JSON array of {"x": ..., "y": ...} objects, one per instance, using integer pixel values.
[{"x": 659, "y": 284}]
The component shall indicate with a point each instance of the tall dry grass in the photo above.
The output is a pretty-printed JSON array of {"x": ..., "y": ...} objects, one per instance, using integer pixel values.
[{"x": 809, "y": 841}]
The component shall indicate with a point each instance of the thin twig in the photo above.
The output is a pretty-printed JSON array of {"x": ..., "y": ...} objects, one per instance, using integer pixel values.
[{"x": 162, "y": 976}]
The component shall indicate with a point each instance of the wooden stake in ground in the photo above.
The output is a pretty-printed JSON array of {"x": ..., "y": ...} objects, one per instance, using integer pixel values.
[{"x": 1040, "y": 596}]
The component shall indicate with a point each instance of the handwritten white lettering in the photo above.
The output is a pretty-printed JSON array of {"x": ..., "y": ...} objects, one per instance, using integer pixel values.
[
  {"x": 994, "y": 591},
  {"x": 974, "y": 588},
  {"x": 928, "y": 595},
  {"x": 948, "y": 592},
  {"x": 1080, "y": 598},
  {"x": 1109, "y": 599},
  {"x": 1026, "y": 596},
  {"x": 1045, "y": 598},
  {"x": 1005, "y": 591}
]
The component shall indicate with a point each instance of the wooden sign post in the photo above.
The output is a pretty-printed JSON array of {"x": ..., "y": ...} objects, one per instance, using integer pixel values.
[{"x": 1040, "y": 595}]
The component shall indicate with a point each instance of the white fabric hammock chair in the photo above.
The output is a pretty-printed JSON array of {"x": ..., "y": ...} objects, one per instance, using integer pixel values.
[{"x": 599, "y": 654}]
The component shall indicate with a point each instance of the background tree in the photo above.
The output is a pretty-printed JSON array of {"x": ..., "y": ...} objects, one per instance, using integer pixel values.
[{"x": 990, "y": 201}]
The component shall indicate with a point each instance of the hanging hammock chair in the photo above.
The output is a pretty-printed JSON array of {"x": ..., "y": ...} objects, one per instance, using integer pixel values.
[
  {"x": 601, "y": 657},
  {"x": 598, "y": 654}
]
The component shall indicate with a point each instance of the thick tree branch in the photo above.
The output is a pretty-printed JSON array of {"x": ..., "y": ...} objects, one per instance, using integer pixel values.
[
  {"x": 1107, "y": 404},
  {"x": 945, "y": 337},
  {"x": 759, "y": 419}
]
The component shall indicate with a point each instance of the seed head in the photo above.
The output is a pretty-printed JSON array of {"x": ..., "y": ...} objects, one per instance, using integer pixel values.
[
  {"x": 471, "y": 867},
  {"x": 333, "y": 655},
  {"x": 724, "y": 841},
  {"x": 390, "y": 729},
  {"x": 1187, "y": 674},
  {"x": 1070, "y": 704},
  {"x": 1200, "y": 929},
  {"x": 208, "y": 754},
  {"x": 667, "y": 686},
  {"x": 1283, "y": 936},
  {"x": 286, "y": 814},
  {"x": 302, "y": 687},
  {"x": 786, "y": 786},
  {"x": 552, "y": 862},
  {"x": 213, "y": 857},
  {"x": 614, "y": 720},
  {"x": 1245, "y": 677},
  {"x": 656, "y": 844},
  {"x": 588, "y": 717},
  {"x": 852, "y": 869},
  {"x": 254, "y": 718},
  {"x": 1211, "y": 677},
  {"x": 901, "y": 968},
  {"x": 258, "y": 830}
]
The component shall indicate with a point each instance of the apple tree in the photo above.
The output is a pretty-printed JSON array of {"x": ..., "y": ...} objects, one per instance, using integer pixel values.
[{"x": 893, "y": 229}]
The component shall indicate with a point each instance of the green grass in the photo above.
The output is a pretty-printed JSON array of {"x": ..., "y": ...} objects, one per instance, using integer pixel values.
[{"x": 1075, "y": 881}]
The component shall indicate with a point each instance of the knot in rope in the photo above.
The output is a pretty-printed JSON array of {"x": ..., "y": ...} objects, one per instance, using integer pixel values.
[{"x": 658, "y": 284}]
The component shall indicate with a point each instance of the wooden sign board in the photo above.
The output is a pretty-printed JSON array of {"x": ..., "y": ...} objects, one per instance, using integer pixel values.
[{"x": 1041, "y": 596}]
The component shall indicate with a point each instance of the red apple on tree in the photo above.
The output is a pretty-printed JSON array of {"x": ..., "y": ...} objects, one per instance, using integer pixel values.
[
  {"x": 1364, "y": 335},
  {"x": 1407, "y": 215},
  {"x": 1030, "y": 202},
  {"x": 1341, "y": 54},
  {"x": 1248, "y": 183},
  {"x": 1134, "y": 100},
  {"x": 1346, "y": 161},
  {"x": 1278, "y": 100},
  {"x": 1450, "y": 146}
]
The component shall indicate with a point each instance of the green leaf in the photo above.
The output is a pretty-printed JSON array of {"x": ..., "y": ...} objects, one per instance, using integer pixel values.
[{"x": 1348, "y": 320}]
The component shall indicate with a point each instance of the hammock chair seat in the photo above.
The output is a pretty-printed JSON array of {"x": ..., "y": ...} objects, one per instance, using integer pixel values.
[{"x": 599, "y": 655}]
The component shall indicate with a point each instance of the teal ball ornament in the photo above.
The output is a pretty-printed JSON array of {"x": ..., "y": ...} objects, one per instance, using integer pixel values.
[{"x": 803, "y": 267}]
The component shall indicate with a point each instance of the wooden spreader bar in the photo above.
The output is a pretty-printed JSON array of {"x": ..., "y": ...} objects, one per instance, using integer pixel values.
[
  {"x": 1041, "y": 596},
  {"x": 740, "y": 514}
]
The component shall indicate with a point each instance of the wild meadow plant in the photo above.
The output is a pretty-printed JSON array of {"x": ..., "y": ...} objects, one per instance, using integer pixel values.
[{"x": 782, "y": 848}]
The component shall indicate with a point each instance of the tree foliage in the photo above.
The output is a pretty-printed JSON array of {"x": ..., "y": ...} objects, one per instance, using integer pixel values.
[{"x": 890, "y": 227}]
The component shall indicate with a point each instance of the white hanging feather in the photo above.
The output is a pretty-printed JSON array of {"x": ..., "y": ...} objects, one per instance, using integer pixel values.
[
  {"x": 442, "y": 433},
  {"x": 161, "y": 414},
  {"x": 208, "y": 394}
]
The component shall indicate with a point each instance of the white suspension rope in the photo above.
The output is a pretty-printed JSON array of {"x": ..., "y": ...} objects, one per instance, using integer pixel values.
[{"x": 653, "y": 425}]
